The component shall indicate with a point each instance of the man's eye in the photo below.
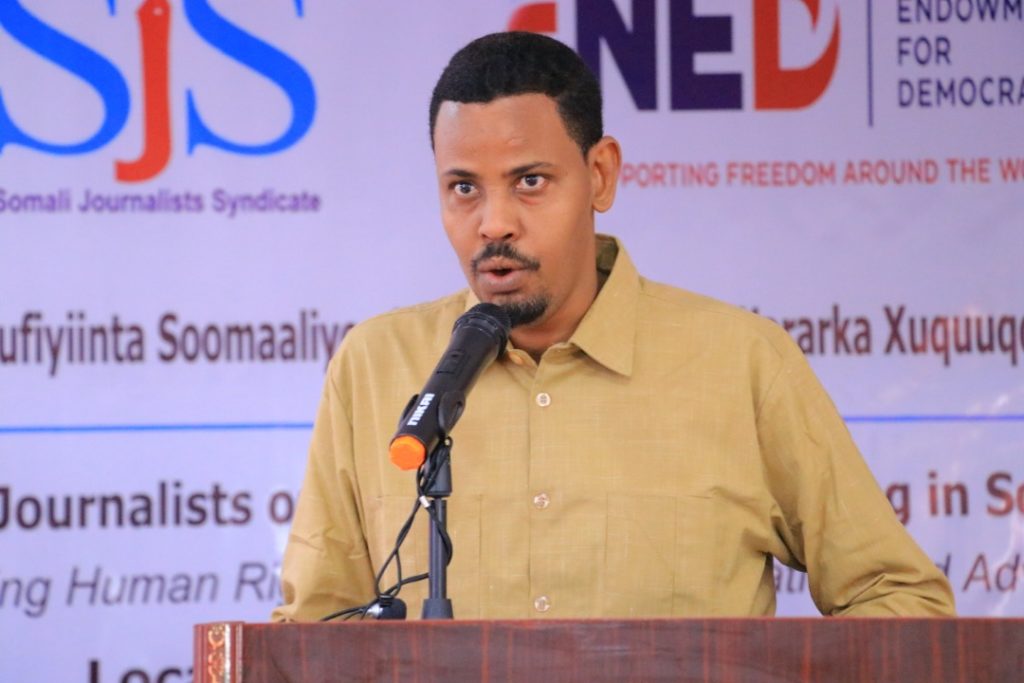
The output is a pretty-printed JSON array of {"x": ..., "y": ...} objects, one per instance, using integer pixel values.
[
  {"x": 463, "y": 188},
  {"x": 532, "y": 182}
]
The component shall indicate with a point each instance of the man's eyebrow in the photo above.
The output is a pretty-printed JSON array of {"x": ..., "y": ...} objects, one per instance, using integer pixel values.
[
  {"x": 525, "y": 169},
  {"x": 460, "y": 173}
]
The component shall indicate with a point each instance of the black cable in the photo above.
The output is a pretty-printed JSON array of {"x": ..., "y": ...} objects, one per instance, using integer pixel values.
[
  {"x": 393, "y": 591},
  {"x": 394, "y": 555},
  {"x": 424, "y": 480},
  {"x": 345, "y": 613}
]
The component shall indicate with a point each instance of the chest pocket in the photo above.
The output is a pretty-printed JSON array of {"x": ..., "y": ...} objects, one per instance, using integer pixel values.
[{"x": 660, "y": 554}]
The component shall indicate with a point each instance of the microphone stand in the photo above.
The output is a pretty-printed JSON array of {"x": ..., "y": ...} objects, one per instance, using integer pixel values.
[{"x": 438, "y": 477}]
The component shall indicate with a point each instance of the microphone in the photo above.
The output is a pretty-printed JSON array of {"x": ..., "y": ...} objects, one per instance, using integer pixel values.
[{"x": 478, "y": 338}]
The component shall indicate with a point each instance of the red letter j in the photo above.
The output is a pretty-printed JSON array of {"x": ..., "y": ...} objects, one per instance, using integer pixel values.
[{"x": 154, "y": 28}]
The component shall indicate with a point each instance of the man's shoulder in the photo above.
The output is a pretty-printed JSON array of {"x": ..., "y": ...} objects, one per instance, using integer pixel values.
[
  {"x": 421, "y": 325},
  {"x": 428, "y": 313},
  {"x": 672, "y": 306},
  {"x": 672, "y": 299}
]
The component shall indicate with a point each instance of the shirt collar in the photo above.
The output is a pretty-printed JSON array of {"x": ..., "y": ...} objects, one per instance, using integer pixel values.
[{"x": 607, "y": 332}]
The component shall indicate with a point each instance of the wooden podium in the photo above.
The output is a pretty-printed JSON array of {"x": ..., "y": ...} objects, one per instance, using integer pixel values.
[{"x": 740, "y": 650}]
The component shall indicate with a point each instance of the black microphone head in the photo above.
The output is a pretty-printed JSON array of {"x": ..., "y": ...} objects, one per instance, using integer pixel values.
[{"x": 489, "y": 318}]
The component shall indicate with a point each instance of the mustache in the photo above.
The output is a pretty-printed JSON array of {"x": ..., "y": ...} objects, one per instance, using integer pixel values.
[{"x": 503, "y": 250}]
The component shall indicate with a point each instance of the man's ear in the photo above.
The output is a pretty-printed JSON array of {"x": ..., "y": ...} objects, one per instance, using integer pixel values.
[{"x": 604, "y": 160}]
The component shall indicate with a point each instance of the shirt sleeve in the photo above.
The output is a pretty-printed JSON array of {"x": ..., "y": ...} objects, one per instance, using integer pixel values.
[
  {"x": 830, "y": 512},
  {"x": 326, "y": 564}
]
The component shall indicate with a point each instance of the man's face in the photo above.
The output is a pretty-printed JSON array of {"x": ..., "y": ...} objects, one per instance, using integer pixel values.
[{"x": 517, "y": 202}]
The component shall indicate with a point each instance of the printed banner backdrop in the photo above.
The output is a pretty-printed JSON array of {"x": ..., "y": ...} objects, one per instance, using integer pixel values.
[{"x": 199, "y": 198}]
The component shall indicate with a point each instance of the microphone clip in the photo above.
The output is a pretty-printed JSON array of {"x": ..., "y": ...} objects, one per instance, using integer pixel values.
[{"x": 387, "y": 607}]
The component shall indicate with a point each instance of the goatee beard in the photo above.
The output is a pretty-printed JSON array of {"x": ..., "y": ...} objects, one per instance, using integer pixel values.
[{"x": 525, "y": 312}]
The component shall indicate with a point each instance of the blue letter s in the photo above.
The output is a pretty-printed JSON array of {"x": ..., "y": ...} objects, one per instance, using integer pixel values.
[
  {"x": 261, "y": 57},
  {"x": 73, "y": 56}
]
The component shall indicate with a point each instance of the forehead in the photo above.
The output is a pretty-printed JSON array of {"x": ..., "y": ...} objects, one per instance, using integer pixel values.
[{"x": 505, "y": 127}]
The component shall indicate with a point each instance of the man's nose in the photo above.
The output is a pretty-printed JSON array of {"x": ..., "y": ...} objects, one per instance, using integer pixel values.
[{"x": 500, "y": 220}]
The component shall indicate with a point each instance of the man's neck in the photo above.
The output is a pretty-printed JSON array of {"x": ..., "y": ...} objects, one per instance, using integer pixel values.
[{"x": 537, "y": 338}]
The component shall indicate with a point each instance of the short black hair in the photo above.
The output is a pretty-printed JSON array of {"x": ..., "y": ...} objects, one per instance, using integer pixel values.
[{"x": 521, "y": 63}]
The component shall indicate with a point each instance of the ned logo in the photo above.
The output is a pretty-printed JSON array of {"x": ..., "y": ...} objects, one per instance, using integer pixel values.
[{"x": 628, "y": 33}]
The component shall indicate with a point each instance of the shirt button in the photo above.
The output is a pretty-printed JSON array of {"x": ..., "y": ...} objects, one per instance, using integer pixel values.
[
  {"x": 542, "y": 604},
  {"x": 541, "y": 501},
  {"x": 543, "y": 400}
]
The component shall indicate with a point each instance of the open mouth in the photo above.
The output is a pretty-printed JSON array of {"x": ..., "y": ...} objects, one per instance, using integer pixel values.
[{"x": 502, "y": 280}]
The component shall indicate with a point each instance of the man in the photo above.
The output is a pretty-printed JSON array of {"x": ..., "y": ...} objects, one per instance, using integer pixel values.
[{"x": 637, "y": 451}]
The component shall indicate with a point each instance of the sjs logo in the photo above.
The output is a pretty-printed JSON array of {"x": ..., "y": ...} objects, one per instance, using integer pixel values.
[
  {"x": 155, "y": 19},
  {"x": 632, "y": 44}
]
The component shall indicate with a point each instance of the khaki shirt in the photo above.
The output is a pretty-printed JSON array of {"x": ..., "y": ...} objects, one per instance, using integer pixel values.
[{"x": 650, "y": 466}]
